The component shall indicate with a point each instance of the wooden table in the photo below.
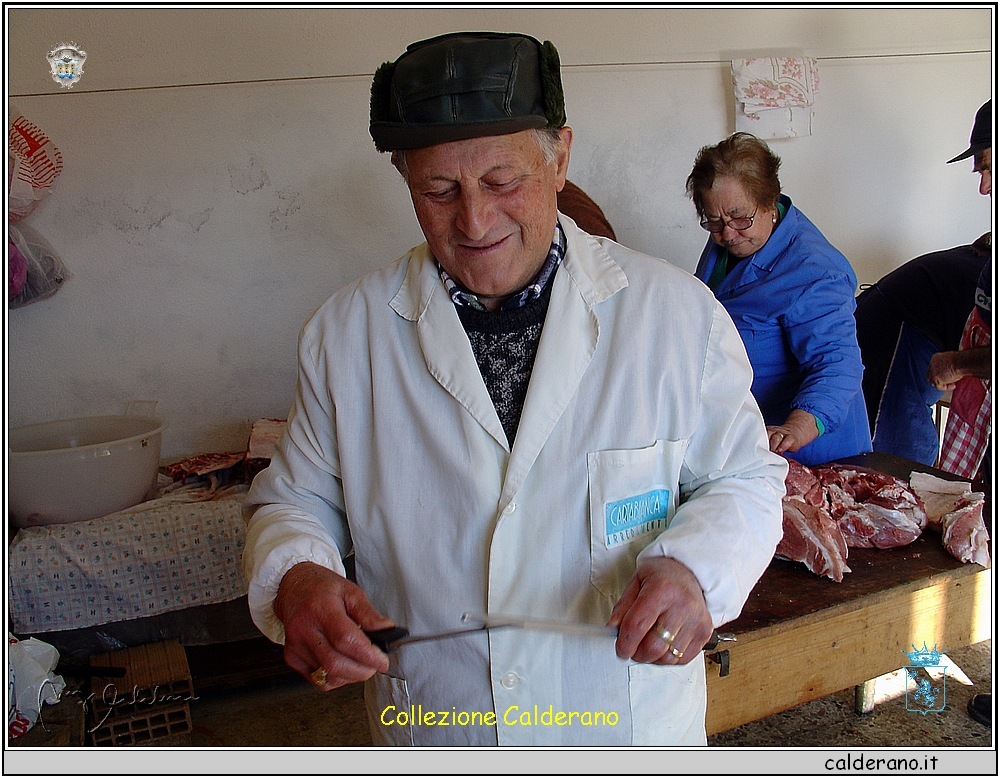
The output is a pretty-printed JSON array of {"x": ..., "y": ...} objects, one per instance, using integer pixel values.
[{"x": 802, "y": 636}]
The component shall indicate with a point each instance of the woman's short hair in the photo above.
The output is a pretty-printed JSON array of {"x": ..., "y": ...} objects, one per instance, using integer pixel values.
[{"x": 741, "y": 156}]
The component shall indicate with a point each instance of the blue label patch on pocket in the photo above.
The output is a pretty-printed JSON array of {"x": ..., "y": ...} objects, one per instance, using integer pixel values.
[{"x": 625, "y": 519}]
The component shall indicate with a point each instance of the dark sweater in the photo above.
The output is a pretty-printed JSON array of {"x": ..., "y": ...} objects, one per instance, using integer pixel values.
[{"x": 505, "y": 344}]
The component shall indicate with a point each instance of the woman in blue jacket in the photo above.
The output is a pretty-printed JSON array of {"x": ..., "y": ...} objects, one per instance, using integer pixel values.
[{"x": 791, "y": 295}]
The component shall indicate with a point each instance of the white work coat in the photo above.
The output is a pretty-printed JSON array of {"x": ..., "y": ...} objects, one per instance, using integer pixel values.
[{"x": 638, "y": 434}]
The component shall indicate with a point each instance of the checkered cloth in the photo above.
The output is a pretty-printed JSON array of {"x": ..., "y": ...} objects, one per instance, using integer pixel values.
[
  {"x": 156, "y": 557},
  {"x": 967, "y": 433}
]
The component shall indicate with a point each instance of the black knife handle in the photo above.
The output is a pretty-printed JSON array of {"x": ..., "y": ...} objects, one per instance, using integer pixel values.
[{"x": 384, "y": 638}]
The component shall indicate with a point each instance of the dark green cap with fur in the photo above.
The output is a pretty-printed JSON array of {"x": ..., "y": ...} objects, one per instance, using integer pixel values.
[{"x": 466, "y": 85}]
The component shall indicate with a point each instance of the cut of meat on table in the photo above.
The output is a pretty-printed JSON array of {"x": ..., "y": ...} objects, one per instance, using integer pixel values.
[
  {"x": 203, "y": 464},
  {"x": 801, "y": 482},
  {"x": 813, "y": 538},
  {"x": 872, "y": 509},
  {"x": 264, "y": 436},
  {"x": 939, "y": 496},
  {"x": 872, "y": 487},
  {"x": 867, "y": 526},
  {"x": 957, "y": 511},
  {"x": 831, "y": 508},
  {"x": 964, "y": 534}
]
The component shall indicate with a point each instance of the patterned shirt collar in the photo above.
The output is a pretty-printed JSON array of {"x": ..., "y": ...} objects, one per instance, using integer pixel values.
[{"x": 518, "y": 300}]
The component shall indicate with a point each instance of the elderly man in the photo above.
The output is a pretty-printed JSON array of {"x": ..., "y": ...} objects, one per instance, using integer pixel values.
[{"x": 514, "y": 418}]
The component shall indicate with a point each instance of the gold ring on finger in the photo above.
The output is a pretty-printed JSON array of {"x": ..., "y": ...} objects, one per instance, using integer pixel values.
[
  {"x": 318, "y": 676},
  {"x": 676, "y": 653},
  {"x": 666, "y": 636}
]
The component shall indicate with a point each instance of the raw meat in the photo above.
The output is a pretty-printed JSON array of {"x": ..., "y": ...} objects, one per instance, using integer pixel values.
[
  {"x": 957, "y": 511},
  {"x": 872, "y": 509},
  {"x": 801, "y": 482},
  {"x": 828, "y": 509},
  {"x": 813, "y": 538},
  {"x": 868, "y": 525},
  {"x": 964, "y": 534},
  {"x": 204, "y": 464},
  {"x": 264, "y": 437},
  {"x": 939, "y": 496}
]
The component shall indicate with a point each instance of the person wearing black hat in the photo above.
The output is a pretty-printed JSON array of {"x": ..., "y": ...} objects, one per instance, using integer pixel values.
[
  {"x": 515, "y": 418},
  {"x": 915, "y": 315},
  {"x": 967, "y": 372},
  {"x": 981, "y": 148}
]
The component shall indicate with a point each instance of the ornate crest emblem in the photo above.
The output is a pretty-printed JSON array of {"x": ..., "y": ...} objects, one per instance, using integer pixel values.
[
  {"x": 66, "y": 64},
  {"x": 922, "y": 693}
]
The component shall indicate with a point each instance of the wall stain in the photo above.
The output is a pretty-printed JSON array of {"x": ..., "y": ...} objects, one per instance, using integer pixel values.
[
  {"x": 291, "y": 203},
  {"x": 134, "y": 222},
  {"x": 250, "y": 178},
  {"x": 198, "y": 220},
  {"x": 138, "y": 223}
]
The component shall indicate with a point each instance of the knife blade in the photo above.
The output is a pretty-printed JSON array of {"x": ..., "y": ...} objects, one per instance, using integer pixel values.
[{"x": 390, "y": 639}]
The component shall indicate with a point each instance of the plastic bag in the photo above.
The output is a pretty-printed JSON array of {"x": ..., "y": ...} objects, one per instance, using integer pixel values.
[
  {"x": 17, "y": 269},
  {"x": 30, "y": 682},
  {"x": 34, "y": 163},
  {"x": 44, "y": 270}
]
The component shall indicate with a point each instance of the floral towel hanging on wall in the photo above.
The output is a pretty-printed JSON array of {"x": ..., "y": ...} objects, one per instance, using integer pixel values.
[{"x": 775, "y": 95}]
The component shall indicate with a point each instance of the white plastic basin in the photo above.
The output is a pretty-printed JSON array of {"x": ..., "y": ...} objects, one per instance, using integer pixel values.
[{"x": 78, "y": 469}]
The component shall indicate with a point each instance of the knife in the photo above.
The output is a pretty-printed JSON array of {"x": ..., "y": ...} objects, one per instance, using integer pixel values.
[{"x": 390, "y": 639}]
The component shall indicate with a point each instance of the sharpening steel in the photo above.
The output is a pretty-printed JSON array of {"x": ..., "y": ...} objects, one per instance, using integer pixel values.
[{"x": 390, "y": 639}]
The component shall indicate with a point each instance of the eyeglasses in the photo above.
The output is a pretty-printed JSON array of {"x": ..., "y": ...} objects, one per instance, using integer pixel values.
[{"x": 739, "y": 223}]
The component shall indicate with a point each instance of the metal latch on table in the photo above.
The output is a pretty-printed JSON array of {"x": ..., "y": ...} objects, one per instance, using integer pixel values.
[{"x": 721, "y": 658}]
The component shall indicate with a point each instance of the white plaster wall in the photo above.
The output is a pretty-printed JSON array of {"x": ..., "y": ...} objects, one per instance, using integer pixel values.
[{"x": 220, "y": 182}]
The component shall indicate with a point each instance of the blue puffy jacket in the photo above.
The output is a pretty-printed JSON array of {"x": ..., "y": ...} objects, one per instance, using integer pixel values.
[{"x": 793, "y": 304}]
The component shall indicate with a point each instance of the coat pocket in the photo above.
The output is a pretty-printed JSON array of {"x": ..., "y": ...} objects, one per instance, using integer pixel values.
[
  {"x": 389, "y": 711},
  {"x": 667, "y": 704},
  {"x": 633, "y": 497}
]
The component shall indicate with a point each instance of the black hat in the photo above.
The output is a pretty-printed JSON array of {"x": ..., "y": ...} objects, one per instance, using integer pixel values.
[
  {"x": 466, "y": 85},
  {"x": 982, "y": 132}
]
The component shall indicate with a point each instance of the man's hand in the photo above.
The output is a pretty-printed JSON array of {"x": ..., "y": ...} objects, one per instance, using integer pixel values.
[
  {"x": 662, "y": 595},
  {"x": 947, "y": 368},
  {"x": 324, "y": 615},
  {"x": 799, "y": 428}
]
